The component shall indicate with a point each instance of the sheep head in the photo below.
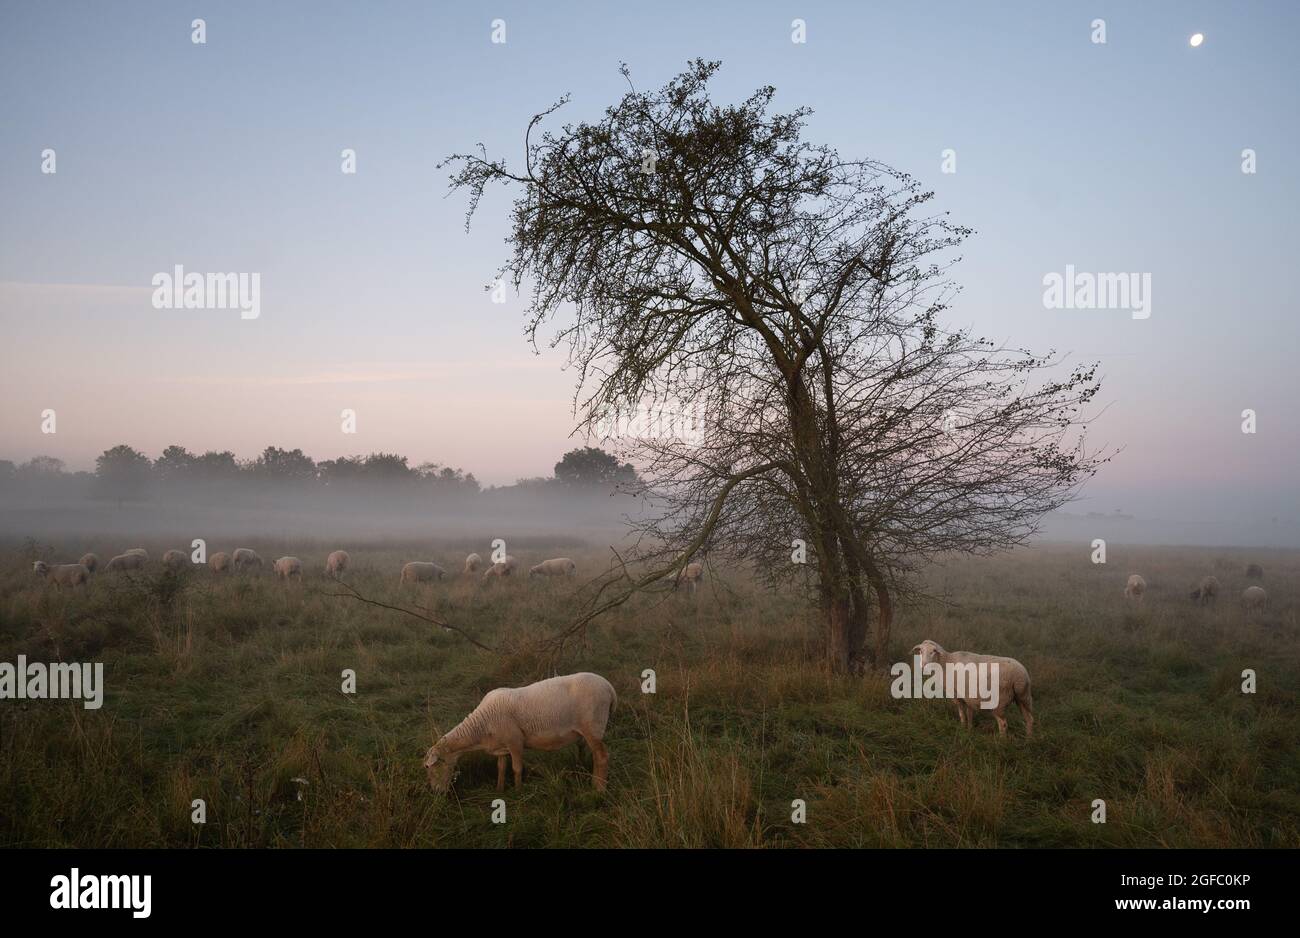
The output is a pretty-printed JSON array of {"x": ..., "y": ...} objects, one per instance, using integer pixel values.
[
  {"x": 41, "y": 568},
  {"x": 928, "y": 651},
  {"x": 441, "y": 768}
]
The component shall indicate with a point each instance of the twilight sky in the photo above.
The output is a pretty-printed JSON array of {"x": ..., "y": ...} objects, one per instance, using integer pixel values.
[{"x": 1121, "y": 157}]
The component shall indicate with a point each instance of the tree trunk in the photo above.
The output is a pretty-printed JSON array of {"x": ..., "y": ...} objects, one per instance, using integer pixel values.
[
  {"x": 886, "y": 604},
  {"x": 859, "y": 656},
  {"x": 839, "y": 632}
]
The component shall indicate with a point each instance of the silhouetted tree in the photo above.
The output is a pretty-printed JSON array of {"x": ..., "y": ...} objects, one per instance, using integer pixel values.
[
  {"x": 590, "y": 467},
  {"x": 41, "y": 467},
  {"x": 284, "y": 465},
  {"x": 215, "y": 466},
  {"x": 122, "y": 473},
  {"x": 176, "y": 464},
  {"x": 704, "y": 258}
]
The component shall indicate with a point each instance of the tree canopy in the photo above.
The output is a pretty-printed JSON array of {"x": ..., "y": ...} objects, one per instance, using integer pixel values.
[{"x": 706, "y": 258}]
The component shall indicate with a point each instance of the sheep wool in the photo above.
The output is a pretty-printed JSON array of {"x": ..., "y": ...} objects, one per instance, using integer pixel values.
[{"x": 547, "y": 715}]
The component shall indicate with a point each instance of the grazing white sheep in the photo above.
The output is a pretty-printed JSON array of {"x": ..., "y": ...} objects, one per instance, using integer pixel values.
[
  {"x": 1135, "y": 587},
  {"x": 691, "y": 575},
  {"x": 125, "y": 562},
  {"x": 175, "y": 560},
  {"x": 473, "y": 563},
  {"x": 419, "y": 571},
  {"x": 63, "y": 574},
  {"x": 287, "y": 567},
  {"x": 1013, "y": 684},
  {"x": 550, "y": 714},
  {"x": 337, "y": 563},
  {"x": 506, "y": 567},
  {"x": 1254, "y": 572},
  {"x": 558, "y": 566},
  {"x": 219, "y": 562},
  {"x": 1254, "y": 597},
  {"x": 245, "y": 558},
  {"x": 1207, "y": 592},
  {"x": 89, "y": 561}
]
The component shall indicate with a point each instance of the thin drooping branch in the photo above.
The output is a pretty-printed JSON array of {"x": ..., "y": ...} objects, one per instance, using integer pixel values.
[{"x": 354, "y": 593}]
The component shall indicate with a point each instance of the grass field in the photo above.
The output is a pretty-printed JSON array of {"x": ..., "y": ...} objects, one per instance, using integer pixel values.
[{"x": 229, "y": 689}]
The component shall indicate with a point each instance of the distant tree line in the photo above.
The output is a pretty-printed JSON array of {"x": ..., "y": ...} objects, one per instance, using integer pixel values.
[{"x": 123, "y": 473}]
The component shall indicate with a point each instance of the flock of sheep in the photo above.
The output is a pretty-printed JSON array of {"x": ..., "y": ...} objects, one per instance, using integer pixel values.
[
  {"x": 1207, "y": 592},
  {"x": 558, "y": 711},
  {"x": 245, "y": 559}
]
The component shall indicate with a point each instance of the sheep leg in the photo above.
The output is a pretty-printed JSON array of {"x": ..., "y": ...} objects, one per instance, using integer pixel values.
[
  {"x": 1026, "y": 704},
  {"x": 1002, "y": 720},
  {"x": 517, "y": 763},
  {"x": 501, "y": 772},
  {"x": 599, "y": 760}
]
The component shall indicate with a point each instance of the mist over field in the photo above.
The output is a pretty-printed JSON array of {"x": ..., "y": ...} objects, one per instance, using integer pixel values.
[
  {"x": 255, "y": 511},
  {"x": 251, "y": 511}
]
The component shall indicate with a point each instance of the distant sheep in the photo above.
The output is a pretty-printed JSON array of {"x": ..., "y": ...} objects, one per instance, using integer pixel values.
[
  {"x": 123, "y": 562},
  {"x": 1254, "y": 597},
  {"x": 473, "y": 563},
  {"x": 1135, "y": 587},
  {"x": 139, "y": 551},
  {"x": 558, "y": 566},
  {"x": 90, "y": 562},
  {"x": 506, "y": 567},
  {"x": 337, "y": 563},
  {"x": 220, "y": 563},
  {"x": 1207, "y": 592},
  {"x": 245, "y": 558},
  {"x": 419, "y": 571},
  {"x": 175, "y": 560},
  {"x": 1013, "y": 684},
  {"x": 287, "y": 567},
  {"x": 1254, "y": 572},
  {"x": 691, "y": 575},
  {"x": 63, "y": 574},
  {"x": 547, "y": 715}
]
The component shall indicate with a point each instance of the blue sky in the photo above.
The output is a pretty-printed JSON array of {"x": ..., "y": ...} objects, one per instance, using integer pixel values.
[{"x": 226, "y": 157}]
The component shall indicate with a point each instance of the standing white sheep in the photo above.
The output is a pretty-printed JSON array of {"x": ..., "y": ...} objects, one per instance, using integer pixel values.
[
  {"x": 419, "y": 571},
  {"x": 505, "y": 567},
  {"x": 1254, "y": 597},
  {"x": 126, "y": 561},
  {"x": 548, "y": 715},
  {"x": 1207, "y": 592},
  {"x": 473, "y": 563},
  {"x": 691, "y": 575},
  {"x": 89, "y": 561},
  {"x": 63, "y": 574},
  {"x": 175, "y": 560},
  {"x": 558, "y": 566},
  {"x": 336, "y": 563},
  {"x": 1013, "y": 684},
  {"x": 219, "y": 562},
  {"x": 287, "y": 567},
  {"x": 245, "y": 558},
  {"x": 1135, "y": 587}
]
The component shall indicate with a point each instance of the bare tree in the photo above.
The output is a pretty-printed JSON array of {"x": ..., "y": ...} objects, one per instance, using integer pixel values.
[{"x": 705, "y": 260}]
